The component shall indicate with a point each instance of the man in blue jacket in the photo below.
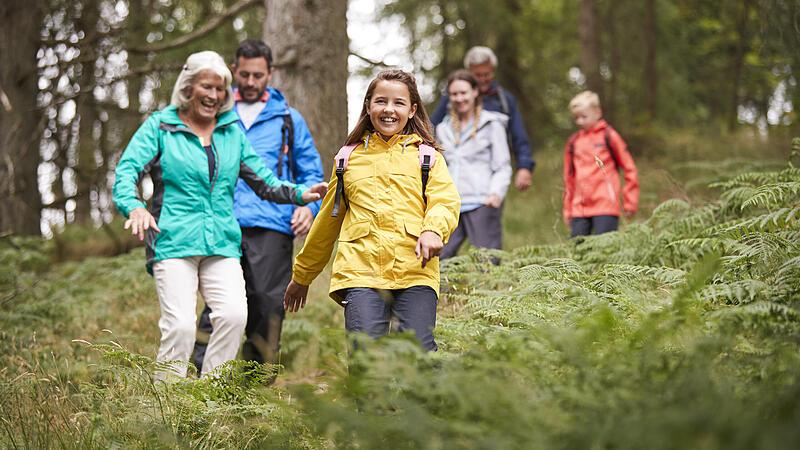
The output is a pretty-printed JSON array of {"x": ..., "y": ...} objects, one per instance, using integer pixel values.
[
  {"x": 482, "y": 62},
  {"x": 281, "y": 138}
]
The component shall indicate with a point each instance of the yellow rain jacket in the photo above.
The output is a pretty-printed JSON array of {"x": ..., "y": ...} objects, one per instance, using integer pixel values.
[{"x": 384, "y": 214}]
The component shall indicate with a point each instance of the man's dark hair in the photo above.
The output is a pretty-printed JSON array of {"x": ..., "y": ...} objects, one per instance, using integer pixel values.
[{"x": 254, "y": 48}]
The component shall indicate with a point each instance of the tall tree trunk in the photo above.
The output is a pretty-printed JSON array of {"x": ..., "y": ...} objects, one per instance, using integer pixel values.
[
  {"x": 651, "y": 73},
  {"x": 610, "y": 100},
  {"x": 86, "y": 167},
  {"x": 737, "y": 64},
  {"x": 512, "y": 77},
  {"x": 310, "y": 45},
  {"x": 20, "y": 119},
  {"x": 590, "y": 46}
]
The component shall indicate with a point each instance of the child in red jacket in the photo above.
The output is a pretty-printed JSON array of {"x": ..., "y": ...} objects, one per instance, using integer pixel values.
[{"x": 592, "y": 158}]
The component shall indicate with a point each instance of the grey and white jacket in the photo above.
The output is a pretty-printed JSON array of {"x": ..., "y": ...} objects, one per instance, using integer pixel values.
[{"x": 479, "y": 165}]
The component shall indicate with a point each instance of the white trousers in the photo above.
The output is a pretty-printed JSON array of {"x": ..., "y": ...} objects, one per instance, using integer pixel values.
[{"x": 221, "y": 284}]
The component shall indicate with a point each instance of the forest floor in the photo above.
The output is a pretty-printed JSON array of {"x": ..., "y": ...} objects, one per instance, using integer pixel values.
[{"x": 621, "y": 341}]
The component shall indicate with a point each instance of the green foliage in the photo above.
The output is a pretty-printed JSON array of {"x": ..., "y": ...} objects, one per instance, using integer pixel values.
[
  {"x": 675, "y": 333},
  {"x": 679, "y": 331}
]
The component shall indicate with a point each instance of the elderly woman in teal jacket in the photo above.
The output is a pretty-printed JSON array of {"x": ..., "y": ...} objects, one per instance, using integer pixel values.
[{"x": 194, "y": 153}]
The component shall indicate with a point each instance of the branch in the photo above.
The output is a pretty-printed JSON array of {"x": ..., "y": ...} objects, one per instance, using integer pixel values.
[
  {"x": 4, "y": 100},
  {"x": 210, "y": 26},
  {"x": 370, "y": 61}
]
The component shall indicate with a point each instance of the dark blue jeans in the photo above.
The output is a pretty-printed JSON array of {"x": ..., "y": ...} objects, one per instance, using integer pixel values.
[
  {"x": 415, "y": 309},
  {"x": 584, "y": 226}
]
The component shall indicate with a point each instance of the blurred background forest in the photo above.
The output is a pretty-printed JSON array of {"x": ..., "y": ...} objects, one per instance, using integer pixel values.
[
  {"x": 79, "y": 76},
  {"x": 680, "y": 331}
]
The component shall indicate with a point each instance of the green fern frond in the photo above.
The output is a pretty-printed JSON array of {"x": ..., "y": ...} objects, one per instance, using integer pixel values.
[
  {"x": 773, "y": 194},
  {"x": 746, "y": 179},
  {"x": 666, "y": 276},
  {"x": 790, "y": 266},
  {"x": 742, "y": 291},
  {"x": 700, "y": 245},
  {"x": 764, "y": 315},
  {"x": 698, "y": 220},
  {"x": 782, "y": 219},
  {"x": 554, "y": 269},
  {"x": 668, "y": 210}
]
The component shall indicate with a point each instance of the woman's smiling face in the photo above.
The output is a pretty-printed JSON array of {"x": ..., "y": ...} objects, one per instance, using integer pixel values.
[
  {"x": 390, "y": 108},
  {"x": 462, "y": 96},
  {"x": 207, "y": 96}
]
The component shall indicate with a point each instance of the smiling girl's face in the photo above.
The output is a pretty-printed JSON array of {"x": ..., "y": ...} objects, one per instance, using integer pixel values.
[{"x": 390, "y": 108}]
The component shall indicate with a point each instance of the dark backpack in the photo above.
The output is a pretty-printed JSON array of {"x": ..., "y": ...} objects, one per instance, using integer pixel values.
[
  {"x": 427, "y": 158},
  {"x": 287, "y": 144}
]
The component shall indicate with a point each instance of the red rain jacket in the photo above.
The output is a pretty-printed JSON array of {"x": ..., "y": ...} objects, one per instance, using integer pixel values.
[{"x": 591, "y": 188}]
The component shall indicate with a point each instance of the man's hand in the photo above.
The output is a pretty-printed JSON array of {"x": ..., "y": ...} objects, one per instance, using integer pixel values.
[
  {"x": 429, "y": 245},
  {"x": 295, "y": 296},
  {"x": 301, "y": 220},
  {"x": 140, "y": 220},
  {"x": 494, "y": 201},
  {"x": 522, "y": 180},
  {"x": 315, "y": 192},
  {"x": 629, "y": 213}
]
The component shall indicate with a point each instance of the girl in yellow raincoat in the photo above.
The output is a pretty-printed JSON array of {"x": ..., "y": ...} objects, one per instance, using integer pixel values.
[{"x": 390, "y": 232}]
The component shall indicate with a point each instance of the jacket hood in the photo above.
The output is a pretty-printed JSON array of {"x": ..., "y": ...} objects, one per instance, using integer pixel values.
[{"x": 276, "y": 106}]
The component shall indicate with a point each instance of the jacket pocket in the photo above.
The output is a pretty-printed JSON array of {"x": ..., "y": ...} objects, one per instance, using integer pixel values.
[
  {"x": 354, "y": 231},
  {"x": 413, "y": 228}
]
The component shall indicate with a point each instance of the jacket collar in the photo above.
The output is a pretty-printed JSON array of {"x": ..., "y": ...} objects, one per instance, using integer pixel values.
[
  {"x": 276, "y": 104},
  {"x": 402, "y": 140},
  {"x": 169, "y": 115},
  {"x": 599, "y": 126},
  {"x": 493, "y": 89},
  {"x": 237, "y": 97}
]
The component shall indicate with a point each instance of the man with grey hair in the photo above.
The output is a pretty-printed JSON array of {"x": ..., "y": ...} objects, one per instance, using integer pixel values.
[{"x": 482, "y": 62}]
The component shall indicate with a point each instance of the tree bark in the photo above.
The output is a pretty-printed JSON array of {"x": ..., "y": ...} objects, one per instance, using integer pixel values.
[
  {"x": 610, "y": 100},
  {"x": 20, "y": 126},
  {"x": 86, "y": 167},
  {"x": 309, "y": 42},
  {"x": 590, "y": 46},
  {"x": 737, "y": 64},
  {"x": 651, "y": 72}
]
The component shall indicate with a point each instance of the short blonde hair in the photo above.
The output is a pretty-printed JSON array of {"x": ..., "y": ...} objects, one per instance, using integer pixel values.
[
  {"x": 584, "y": 99},
  {"x": 196, "y": 63}
]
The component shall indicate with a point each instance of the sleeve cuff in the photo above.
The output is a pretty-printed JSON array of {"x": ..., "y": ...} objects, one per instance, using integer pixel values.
[{"x": 300, "y": 190}]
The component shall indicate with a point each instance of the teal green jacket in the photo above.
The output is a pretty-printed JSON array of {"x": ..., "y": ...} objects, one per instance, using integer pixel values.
[{"x": 193, "y": 209}]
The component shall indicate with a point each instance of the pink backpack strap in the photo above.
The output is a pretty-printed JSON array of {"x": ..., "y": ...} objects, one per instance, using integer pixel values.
[
  {"x": 427, "y": 158},
  {"x": 343, "y": 156},
  {"x": 427, "y": 150},
  {"x": 340, "y": 162}
]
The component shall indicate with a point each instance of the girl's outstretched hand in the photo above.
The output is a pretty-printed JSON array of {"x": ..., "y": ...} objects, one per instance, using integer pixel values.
[
  {"x": 315, "y": 192},
  {"x": 429, "y": 245},
  {"x": 295, "y": 296},
  {"x": 140, "y": 220}
]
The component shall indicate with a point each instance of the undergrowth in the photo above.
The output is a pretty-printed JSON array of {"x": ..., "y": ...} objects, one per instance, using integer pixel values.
[{"x": 680, "y": 331}]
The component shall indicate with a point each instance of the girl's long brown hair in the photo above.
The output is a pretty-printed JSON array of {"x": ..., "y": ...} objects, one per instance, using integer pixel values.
[{"x": 420, "y": 124}]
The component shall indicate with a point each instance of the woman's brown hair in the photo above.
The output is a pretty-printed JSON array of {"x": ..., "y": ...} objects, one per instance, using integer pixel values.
[{"x": 420, "y": 124}]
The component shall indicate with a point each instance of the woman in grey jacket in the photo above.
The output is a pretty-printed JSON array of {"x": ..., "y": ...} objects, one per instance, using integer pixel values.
[{"x": 479, "y": 162}]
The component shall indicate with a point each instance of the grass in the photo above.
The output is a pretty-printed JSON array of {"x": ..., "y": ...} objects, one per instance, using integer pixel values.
[{"x": 554, "y": 348}]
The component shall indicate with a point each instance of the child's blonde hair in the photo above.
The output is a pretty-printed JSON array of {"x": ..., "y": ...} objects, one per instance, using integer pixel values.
[{"x": 584, "y": 99}]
